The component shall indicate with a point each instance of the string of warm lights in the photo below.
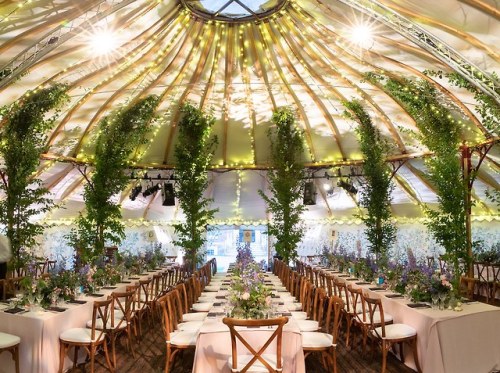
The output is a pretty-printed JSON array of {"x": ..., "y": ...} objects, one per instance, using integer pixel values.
[{"x": 238, "y": 221}]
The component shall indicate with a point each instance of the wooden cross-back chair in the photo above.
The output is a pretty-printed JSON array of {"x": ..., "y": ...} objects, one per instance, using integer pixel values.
[
  {"x": 175, "y": 340},
  {"x": 243, "y": 363},
  {"x": 88, "y": 338},
  {"x": 347, "y": 312},
  {"x": 387, "y": 335},
  {"x": 121, "y": 320},
  {"x": 485, "y": 280},
  {"x": 325, "y": 341}
]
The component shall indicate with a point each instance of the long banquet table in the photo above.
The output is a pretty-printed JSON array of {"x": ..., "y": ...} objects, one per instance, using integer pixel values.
[
  {"x": 213, "y": 346},
  {"x": 467, "y": 341},
  {"x": 39, "y": 332}
]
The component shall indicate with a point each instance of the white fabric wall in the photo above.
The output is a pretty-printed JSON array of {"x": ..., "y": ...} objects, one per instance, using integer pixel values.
[{"x": 317, "y": 236}]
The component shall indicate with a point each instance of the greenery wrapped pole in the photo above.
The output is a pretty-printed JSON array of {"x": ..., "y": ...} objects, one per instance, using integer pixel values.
[
  {"x": 120, "y": 134},
  {"x": 441, "y": 135},
  {"x": 194, "y": 151},
  {"x": 22, "y": 142},
  {"x": 377, "y": 188},
  {"x": 285, "y": 183}
]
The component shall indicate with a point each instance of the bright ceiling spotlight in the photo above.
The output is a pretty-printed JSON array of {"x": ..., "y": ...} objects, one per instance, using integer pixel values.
[
  {"x": 102, "y": 42},
  {"x": 362, "y": 35},
  {"x": 327, "y": 187}
]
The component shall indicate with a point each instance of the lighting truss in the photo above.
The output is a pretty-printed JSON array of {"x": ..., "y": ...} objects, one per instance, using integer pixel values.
[
  {"x": 482, "y": 80},
  {"x": 58, "y": 35}
]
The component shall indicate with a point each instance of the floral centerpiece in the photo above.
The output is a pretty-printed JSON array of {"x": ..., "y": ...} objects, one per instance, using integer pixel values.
[{"x": 248, "y": 295}]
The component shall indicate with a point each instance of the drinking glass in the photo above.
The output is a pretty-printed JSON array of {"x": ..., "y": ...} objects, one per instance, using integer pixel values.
[
  {"x": 435, "y": 301},
  {"x": 442, "y": 298}
]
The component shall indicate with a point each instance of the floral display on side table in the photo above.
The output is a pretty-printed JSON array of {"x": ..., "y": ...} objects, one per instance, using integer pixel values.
[{"x": 249, "y": 297}]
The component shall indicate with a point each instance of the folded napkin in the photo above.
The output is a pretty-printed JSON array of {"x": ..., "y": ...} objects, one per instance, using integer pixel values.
[
  {"x": 109, "y": 287},
  {"x": 95, "y": 295},
  {"x": 125, "y": 282},
  {"x": 352, "y": 279},
  {"x": 14, "y": 310},
  {"x": 376, "y": 288},
  {"x": 215, "y": 314},
  {"x": 343, "y": 275},
  {"x": 363, "y": 283},
  {"x": 418, "y": 305},
  {"x": 143, "y": 274},
  {"x": 395, "y": 296},
  {"x": 286, "y": 314},
  {"x": 134, "y": 278},
  {"x": 76, "y": 301},
  {"x": 56, "y": 309},
  {"x": 220, "y": 297}
]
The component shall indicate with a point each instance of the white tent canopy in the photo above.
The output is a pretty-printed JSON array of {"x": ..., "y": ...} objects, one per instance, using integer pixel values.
[{"x": 305, "y": 54}]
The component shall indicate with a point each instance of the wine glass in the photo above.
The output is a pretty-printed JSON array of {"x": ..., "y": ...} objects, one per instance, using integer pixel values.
[
  {"x": 442, "y": 298},
  {"x": 435, "y": 301}
]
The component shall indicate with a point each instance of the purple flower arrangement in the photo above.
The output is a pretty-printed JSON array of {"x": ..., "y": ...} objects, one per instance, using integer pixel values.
[{"x": 249, "y": 297}]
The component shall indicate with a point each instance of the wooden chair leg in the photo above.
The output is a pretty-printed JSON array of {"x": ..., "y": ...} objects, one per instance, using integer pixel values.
[
  {"x": 385, "y": 349},
  {"x": 334, "y": 359},
  {"x": 62, "y": 354},
  {"x": 415, "y": 355},
  {"x": 113, "y": 349},
  {"x": 167, "y": 359},
  {"x": 401, "y": 352},
  {"x": 16, "y": 357},
  {"x": 92, "y": 351},
  {"x": 108, "y": 361},
  {"x": 75, "y": 356}
]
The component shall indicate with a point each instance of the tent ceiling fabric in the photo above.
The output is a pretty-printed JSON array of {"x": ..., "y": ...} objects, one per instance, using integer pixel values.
[{"x": 301, "y": 56}]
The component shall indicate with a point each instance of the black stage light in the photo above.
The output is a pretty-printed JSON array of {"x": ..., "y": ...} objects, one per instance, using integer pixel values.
[
  {"x": 168, "y": 194},
  {"x": 150, "y": 190},
  {"x": 135, "y": 192},
  {"x": 347, "y": 187}
]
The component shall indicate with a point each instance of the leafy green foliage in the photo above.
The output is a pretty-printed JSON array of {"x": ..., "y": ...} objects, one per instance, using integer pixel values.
[
  {"x": 376, "y": 194},
  {"x": 193, "y": 153},
  {"x": 285, "y": 183},
  {"x": 119, "y": 135},
  {"x": 22, "y": 141},
  {"x": 441, "y": 135},
  {"x": 488, "y": 108}
]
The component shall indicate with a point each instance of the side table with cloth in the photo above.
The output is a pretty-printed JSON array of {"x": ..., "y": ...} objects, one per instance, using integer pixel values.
[{"x": 39, "y": 333}]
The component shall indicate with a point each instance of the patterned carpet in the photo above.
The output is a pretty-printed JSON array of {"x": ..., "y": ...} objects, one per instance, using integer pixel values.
[{"x": 150, "y": 352}]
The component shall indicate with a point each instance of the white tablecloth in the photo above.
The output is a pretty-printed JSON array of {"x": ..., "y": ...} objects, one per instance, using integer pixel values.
[
  {"x": 449, "y": 341},
  {"x": 213, "y": 347},
  {"x": 39, "y": 333}
]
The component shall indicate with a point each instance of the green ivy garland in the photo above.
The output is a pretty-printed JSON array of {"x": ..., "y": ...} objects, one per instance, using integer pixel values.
[
  {"x": 487, "y": 107},
  {"x": 285, "y": 183},
  {"x": 119, "y": 135},
  {"x": 441, "y": 135},
  {"x": 193, "y": 152},
  {"x": 22, "y": 141},
  {"x": 377, "y": 188}
]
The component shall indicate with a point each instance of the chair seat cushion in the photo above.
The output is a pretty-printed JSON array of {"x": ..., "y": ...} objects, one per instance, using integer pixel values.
[
  {"x": 189, "y": 325},
  {"x": 396, "y": 331},
  {"x": 119, "y": 323},
  {"x": 257, "y": 366},
  {"x": 184, "y": 338},
  {"x": 307, "y": 325},
  {"x": 8, "y": 340},
  {"x": 196, "y": 316},
  {"x": 316, "y": 340},
  {"x": 80, "y": 335},
  {"x": 202, "y": 307},
  {"x": 299, "y": 315},
  {"x": 293, "y": 306},
  {"x": 211, "y": 288}
]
